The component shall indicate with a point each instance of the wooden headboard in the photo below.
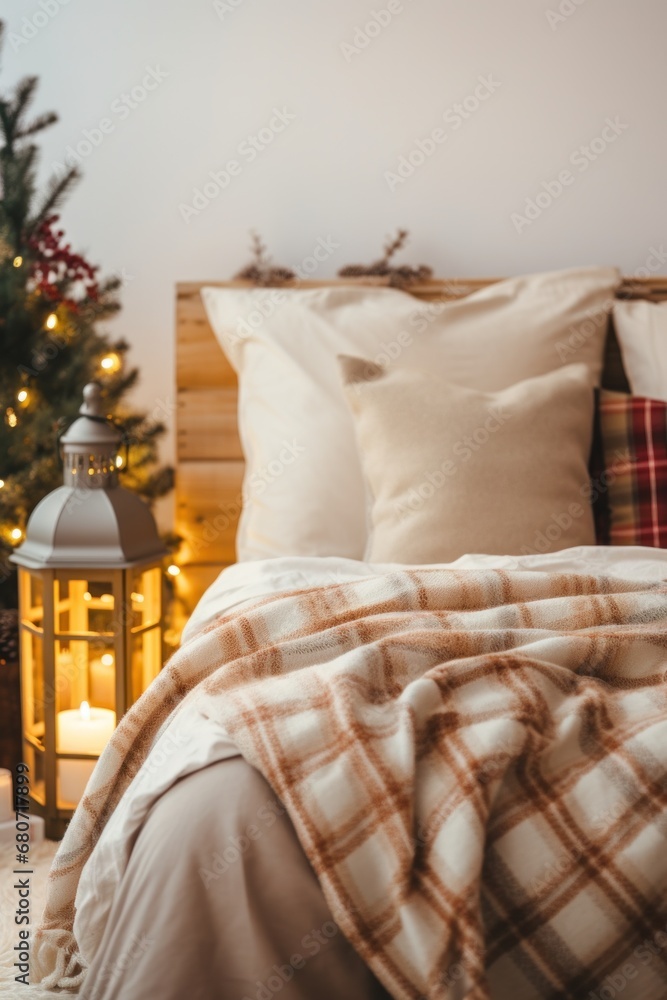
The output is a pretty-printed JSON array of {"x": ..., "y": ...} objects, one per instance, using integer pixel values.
[{"x": 209, "y": 458}]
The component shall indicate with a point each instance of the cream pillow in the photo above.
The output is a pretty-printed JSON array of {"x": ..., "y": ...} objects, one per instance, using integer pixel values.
[
  {"x": 641, "y": 329},
  {"x": 454, "y": 470},
  {"x": 304, "y": 489}
]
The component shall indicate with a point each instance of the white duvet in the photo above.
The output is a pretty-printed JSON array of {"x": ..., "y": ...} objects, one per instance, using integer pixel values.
[{"x": 190, "y": 741}]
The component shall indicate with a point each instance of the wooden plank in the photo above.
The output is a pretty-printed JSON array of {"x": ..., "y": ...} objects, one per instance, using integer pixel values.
[
  {"x": 630, "y": 287},
  {"x": 206, "y": 424},
  {"x": 200, "y": 361},
  {"x": 208, "y": 505}
]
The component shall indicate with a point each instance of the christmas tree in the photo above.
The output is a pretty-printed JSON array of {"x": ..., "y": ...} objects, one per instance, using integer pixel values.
[{"x": 52, "y": 302}]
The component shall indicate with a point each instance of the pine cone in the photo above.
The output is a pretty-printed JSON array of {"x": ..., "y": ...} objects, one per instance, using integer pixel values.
[{"x": 9, "y": 636}]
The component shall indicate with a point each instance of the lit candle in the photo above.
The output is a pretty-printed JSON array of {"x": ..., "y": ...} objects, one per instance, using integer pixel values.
[
  {"x": 6, "y": 796},
  {"x": 103, "y": 681},
  {"x": 83, "y": 730}
]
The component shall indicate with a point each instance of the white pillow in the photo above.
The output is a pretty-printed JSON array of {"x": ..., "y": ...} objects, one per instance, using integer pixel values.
[
  {"x": 304, "y": 488},
  {"x": 453, "y": 470},
  {"x": 641, "y": 329}
]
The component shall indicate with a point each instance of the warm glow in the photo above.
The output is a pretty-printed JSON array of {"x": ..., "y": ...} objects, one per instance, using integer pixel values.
[
  {"x": 107, "y": 598},
  {"x": 2, "y": 483},
  {"x": 22, "y": 396},
  {"x": 17, "y": 534},
  {"x": 87, "y": 596},
  {"x": 107, "y": 659},
  {"x": 84, "y": 711},
  {"x": 138, "y": 598},
  {"x": 18, "y": 261},
  {"x": 119, "y": 462},
  {"x": 51, "y": 321},
  {"x": 12, "y": 419},
  {"x": 173, "y": 570},
  {"x": 110, "y": 363}
]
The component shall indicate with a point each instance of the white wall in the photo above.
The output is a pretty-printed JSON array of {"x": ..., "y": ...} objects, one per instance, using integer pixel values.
[{"x": 556, "y": 77}]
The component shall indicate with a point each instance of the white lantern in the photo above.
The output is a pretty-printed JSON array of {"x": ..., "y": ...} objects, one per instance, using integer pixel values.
[{"x": 90, "y": 607}]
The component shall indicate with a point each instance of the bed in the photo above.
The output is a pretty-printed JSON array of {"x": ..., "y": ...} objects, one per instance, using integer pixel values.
[{"x": 372, "y": 776}]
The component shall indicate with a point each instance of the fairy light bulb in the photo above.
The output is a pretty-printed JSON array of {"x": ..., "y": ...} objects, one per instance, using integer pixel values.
[
  {"x": 110, "y": 363},
  {"x": 18, "y": 261},
  {"x": 2, "y": 483},
  {"x": 12, "y": 419},
  {"x": 51, "y": 321},
  {"x": 173, "y": 570},
  {"x": 16, "y": 534},
  {"x": 22, "y": 396}
]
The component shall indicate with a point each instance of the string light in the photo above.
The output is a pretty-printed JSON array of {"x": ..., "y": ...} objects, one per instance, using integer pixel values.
[
  {"x": 110, "y": 363},
  {"x": 107, "y": 659},
  {"x": 22, "y": 396},
  {"x": 2, "y": 483},
  {"x": 17, "y": 534},
  {"x": 12, "y": 419},
  {"x": 18, "y": 261},
  {"x": 173, "y": 570},
  {"x": 119, "y": 461},
  {"x": 51, "y": 321}
]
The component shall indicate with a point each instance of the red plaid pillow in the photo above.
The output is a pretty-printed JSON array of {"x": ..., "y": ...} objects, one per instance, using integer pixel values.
[{"x": 629, "y": 470}]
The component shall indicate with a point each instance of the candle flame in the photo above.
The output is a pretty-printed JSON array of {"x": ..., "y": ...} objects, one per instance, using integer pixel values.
[{"x": 84, "y": 711}]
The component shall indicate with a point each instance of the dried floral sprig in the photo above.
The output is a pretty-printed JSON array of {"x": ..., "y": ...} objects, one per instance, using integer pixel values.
[
  {"x": 399, "y": 276},
  {"x": 261, "y": 271}
]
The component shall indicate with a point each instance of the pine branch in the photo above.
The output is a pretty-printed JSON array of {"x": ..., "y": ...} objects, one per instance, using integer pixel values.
[
  {"x": 391, "y": 247},
  {"x": 58, "y": 188},
  {"x": 39, "y": 123},
  {"x": 260, "y": 271},
  {"x": 398, "y": 276},
  {"x": 23, "y": 95}
]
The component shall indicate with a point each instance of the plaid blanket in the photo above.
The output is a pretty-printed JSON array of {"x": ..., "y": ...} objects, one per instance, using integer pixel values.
[{"x": 475, "y": 763}]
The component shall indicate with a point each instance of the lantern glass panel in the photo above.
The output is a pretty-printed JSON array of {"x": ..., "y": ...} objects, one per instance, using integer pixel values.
[
  {"x": 84, "y": 607},
  {"x": 146, "y": 597},
  {"x": 146, "y": 659},
  {"x": 85, "y": 671},
  {"x": 32, "y": 660},
  {"x": 32, "y": 598}
]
